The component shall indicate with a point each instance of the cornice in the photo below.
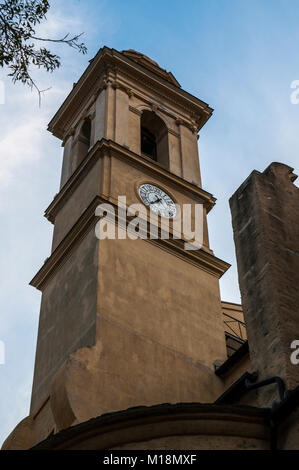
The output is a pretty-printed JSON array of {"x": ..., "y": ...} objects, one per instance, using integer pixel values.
[
  {"x": 71, "y": 184},
  {"x": 199, "y": 258},
  {"x": 160, "y": 172},
  {"x": 183, "y": 96},
  {"x": 109, "y": 61},
  {"x": 111, "y": 148},
  {"x": 201, "y": 112},
  {"x": 147, "y": 423},
  {"x": 63, "y": 250},
  {"x": 193, "y": 127}
]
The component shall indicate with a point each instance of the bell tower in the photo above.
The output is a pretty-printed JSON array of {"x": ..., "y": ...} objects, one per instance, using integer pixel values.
[{"x": 124, "y": 322}]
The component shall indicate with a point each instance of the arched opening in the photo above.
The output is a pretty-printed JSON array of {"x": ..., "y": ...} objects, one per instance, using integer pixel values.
[
  {"x": 86, "y": 130},
  {"x": 83, "y": 140},
  {"x": 154, "y": 138}
]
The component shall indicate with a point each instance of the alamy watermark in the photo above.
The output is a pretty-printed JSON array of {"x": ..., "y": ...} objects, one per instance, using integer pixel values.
[
  {"x": 295, "y": 354},
  {"x": 294, "y": 97},
  {"x": 136, "y": 222}
]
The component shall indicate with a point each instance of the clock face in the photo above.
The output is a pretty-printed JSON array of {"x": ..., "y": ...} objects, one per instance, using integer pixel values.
[{"x": 157, "y": 200}]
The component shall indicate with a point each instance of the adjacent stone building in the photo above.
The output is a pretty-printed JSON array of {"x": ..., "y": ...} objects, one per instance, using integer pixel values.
[{"x": 135, "y": 347}]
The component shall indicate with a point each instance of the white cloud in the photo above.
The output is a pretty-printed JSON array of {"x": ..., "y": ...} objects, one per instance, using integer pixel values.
[
  {"x": 57, "y": 25},
  {"x": 21, "y": 144}
]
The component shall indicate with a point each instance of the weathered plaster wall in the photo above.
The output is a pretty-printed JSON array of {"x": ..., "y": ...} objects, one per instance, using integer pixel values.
[
  {"x": 67, "y": 316},
  {"x": 162, "y": 297}
]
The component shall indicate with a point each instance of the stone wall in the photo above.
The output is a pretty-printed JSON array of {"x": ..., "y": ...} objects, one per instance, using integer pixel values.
[{"x": 265, "y": 215}]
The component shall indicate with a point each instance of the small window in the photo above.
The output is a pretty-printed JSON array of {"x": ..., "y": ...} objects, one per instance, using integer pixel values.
[
  {"x": 86, "y": 131},
  {"x": 83, "y": 141}
]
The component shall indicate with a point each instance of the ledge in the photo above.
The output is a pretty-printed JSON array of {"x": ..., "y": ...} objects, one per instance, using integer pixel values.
[
  {"x": 140, "y": 424},
  {"x": 232, "y": 360},
  {"x": 88, "y": 84},
  {"x": 111, "y": 148},
  {"x": 200, "y": 258}
]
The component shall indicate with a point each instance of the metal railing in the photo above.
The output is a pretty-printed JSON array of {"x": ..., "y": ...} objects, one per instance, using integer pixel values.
[{"x": 235, "y": 327}]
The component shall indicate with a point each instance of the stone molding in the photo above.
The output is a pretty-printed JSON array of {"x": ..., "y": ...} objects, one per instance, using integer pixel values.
[
  {"x": 143, "y": 424},
  {"x": 110, "y": 59},
  {"x": 199, "y": 258},
  {"x": 65, "y": 247},
  {"x": 110, "y": 148},
  {"x": 135, "y": 110}
]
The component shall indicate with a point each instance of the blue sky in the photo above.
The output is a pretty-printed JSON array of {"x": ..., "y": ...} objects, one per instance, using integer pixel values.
[{"x": 240, "y": 57}]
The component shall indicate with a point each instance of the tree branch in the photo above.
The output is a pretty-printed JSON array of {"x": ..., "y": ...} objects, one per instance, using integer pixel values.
[
  {"x": 18, "y": 20},
  {"x": 71, "y": 42}
]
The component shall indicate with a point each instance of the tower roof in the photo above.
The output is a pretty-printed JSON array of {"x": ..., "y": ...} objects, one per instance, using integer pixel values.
[
  {"x": 150, "y": 64},
  {"x": 130, "y": 62}
]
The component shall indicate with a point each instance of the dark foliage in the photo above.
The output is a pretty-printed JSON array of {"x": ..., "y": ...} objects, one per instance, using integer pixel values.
[{"x": 20, "y": 48}]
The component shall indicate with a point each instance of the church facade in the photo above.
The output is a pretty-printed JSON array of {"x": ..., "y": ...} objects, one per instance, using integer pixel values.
[{"x": 135, "y": 348}]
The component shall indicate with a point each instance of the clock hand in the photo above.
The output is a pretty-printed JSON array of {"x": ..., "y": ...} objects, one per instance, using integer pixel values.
[{"x": 156, "y": 200}]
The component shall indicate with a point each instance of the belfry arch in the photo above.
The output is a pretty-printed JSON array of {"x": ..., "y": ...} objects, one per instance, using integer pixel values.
[
  {"x": 154, "y": 138},
  {"x": 83, "y": 143}
]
